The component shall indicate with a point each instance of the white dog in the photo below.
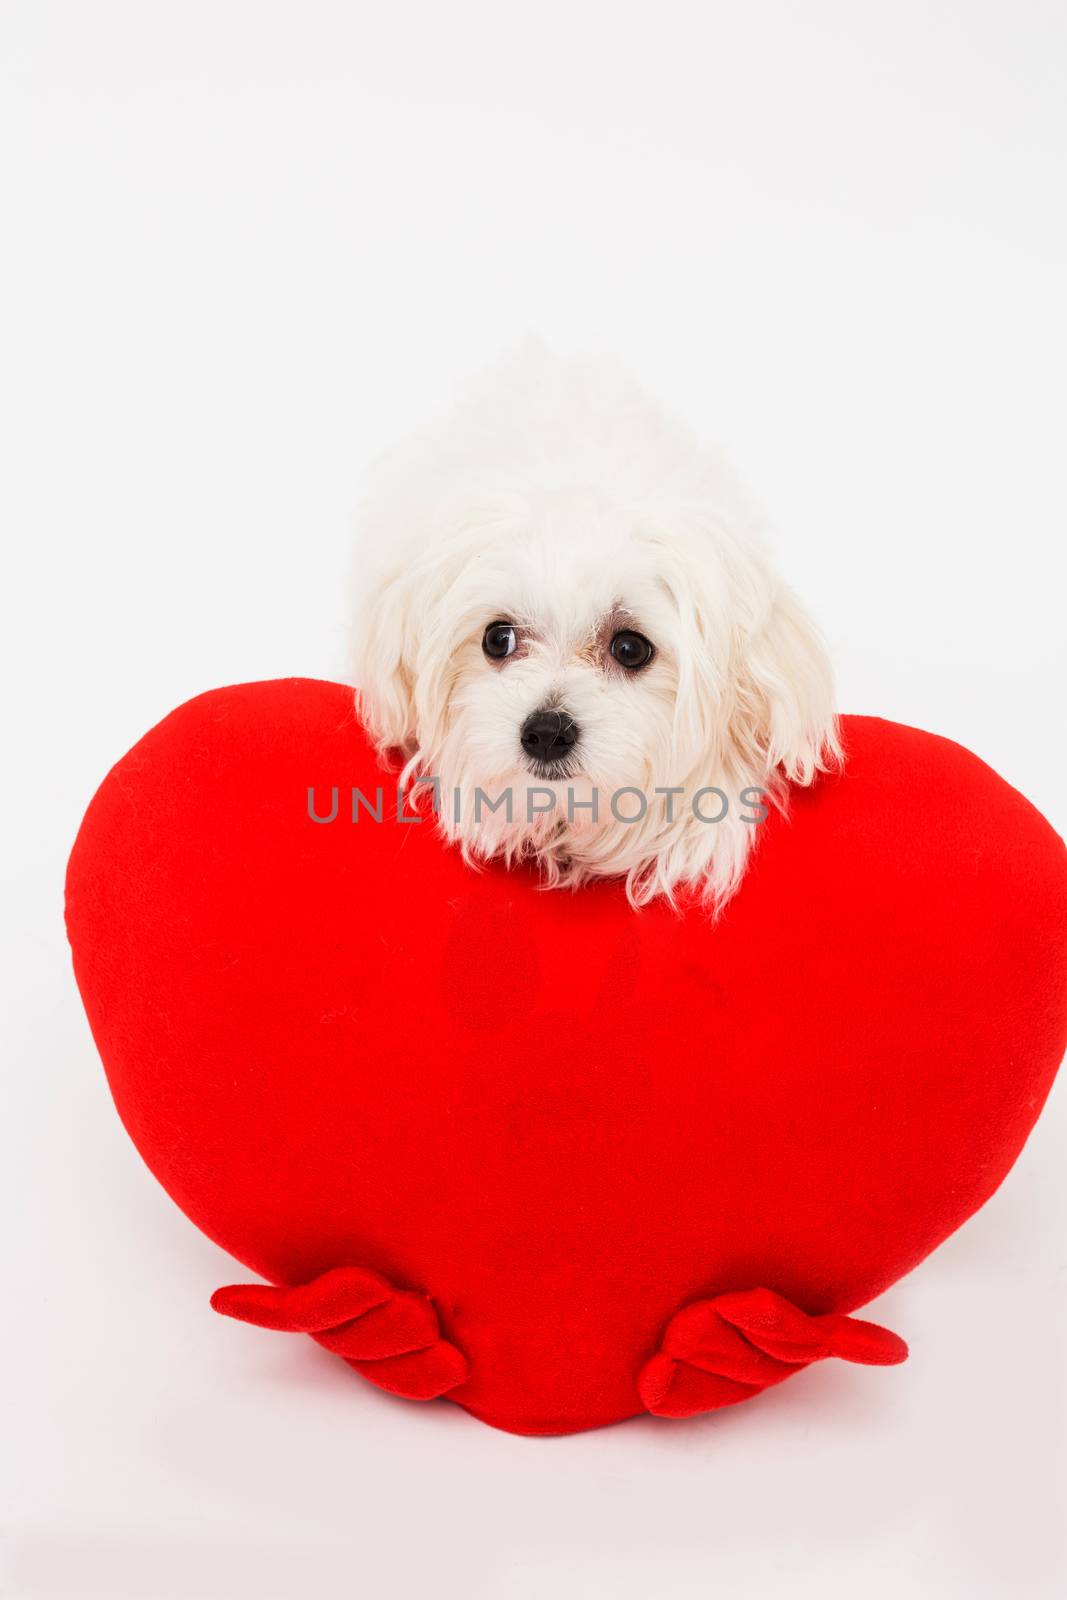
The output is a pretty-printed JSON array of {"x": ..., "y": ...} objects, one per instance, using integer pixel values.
[{"x": 568, "y": 622}]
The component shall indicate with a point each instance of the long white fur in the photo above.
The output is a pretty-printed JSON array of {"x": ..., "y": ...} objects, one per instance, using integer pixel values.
[{"x": 556, "y": 496}]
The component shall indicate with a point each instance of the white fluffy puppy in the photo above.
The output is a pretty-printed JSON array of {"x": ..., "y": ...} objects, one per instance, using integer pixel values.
[{"x": 567, "y": 614}]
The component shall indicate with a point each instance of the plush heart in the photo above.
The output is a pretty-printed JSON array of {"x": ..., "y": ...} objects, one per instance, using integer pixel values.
[{"x": 559, "y": 1159}]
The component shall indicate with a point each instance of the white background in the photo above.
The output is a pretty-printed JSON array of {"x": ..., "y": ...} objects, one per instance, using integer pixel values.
[{"x": 245, "y": 245}]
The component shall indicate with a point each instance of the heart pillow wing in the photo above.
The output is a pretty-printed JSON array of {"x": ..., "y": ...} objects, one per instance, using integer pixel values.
[{"x": 541, "y": 1132}]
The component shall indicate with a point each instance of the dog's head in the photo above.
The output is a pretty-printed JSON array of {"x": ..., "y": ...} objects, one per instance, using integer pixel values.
[{"x": 551, "y": 635}]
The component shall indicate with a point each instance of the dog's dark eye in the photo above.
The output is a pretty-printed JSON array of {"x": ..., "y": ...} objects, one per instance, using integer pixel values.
[
  {"x": 499, "y": 640},
  {"x": 631, "y": 650}
]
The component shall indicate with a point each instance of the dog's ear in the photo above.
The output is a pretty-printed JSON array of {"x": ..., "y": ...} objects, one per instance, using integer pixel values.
[
  {"x": 782, "y": 692},
  {"x": 383, "y": 658},
  {"x": 756, "y": 690},
  {"x": 403, "y": 647}
]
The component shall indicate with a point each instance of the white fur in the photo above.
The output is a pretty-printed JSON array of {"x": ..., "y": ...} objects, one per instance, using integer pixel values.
[{"x": 557, "y": 497}]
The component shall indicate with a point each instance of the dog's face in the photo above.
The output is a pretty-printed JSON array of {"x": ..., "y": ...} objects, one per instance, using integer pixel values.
[
  {"x": 557, "y": 652},
  {"x": 563, "y": 673},
  {"x": 568, "y": 599}
]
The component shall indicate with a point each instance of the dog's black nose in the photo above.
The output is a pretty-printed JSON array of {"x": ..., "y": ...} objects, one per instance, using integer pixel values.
[{"x": 549, "y": 735}]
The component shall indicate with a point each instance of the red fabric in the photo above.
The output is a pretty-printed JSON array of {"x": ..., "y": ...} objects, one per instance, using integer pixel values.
[
  {"x": 562, "y": 1120},
  {"x": 717, "y": 1352},
  {"x": 391, "y": 1337}
]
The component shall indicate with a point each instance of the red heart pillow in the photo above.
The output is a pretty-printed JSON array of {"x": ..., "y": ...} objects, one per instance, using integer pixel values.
[{"x": 558, "y": 1159}]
